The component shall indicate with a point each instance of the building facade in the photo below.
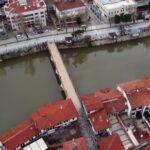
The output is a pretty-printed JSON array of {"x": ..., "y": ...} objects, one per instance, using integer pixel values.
[
  {"x": 24, "y": 13},
  {"x": 68, "y": 11},
  {"x": 110, "y": 8}
]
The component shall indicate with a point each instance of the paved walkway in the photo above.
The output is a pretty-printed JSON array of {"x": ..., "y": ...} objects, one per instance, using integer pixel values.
[
  {"x": 97, "y": 32},
  {"x": 64, "y": 76},
  {"x": 70, "y": 92}
]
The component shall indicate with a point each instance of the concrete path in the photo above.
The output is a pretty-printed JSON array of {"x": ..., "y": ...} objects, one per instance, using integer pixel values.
[
  {"x": 70, "y": 92},
  {"x": 66, "y": 82},
  {"x": 97, "y": 32}
]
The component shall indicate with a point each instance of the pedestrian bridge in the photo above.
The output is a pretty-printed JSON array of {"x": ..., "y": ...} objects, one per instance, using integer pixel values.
[{"x": 66, "y": 82}]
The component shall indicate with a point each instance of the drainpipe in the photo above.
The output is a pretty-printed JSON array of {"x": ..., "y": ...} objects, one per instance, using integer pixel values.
[{"x": 120, "y": 89}]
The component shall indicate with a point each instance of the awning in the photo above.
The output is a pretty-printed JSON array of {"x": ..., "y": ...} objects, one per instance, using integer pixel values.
[{"x": 37, "y": 145}]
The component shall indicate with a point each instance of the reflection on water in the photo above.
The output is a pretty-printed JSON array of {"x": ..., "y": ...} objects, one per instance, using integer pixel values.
[
  {"x": 25, "y": 84},
  {"x": 99, "y": 67}
]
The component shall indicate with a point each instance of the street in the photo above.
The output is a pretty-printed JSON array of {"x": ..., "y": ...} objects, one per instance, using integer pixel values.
[{"x": 97, "y": 31}]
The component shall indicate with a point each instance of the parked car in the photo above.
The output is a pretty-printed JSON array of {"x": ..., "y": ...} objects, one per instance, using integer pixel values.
[
  {"x": 20, "y": 36},
  {"x": 68, "y": 40}
]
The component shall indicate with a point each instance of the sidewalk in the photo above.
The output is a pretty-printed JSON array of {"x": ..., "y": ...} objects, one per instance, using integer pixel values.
[{"x": 57, "y": 36}]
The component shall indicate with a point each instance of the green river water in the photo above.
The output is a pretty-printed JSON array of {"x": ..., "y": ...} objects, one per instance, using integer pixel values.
[{"x": 29, "y": 82}]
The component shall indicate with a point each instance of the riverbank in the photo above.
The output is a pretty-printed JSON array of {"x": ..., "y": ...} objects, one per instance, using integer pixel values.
[{"x": 42, "y": 45}]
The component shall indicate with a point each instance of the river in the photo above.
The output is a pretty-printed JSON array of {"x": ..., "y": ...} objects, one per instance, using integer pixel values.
[
  {"x": 26, "y": 84},
  {"x": 101, "y": 67},
  {"x": 29, "y": 82}
]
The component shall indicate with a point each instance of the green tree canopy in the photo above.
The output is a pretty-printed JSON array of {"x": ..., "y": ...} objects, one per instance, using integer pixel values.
[{"x": 117, "y": 19}]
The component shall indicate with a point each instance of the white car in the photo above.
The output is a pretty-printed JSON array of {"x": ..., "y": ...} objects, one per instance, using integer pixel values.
[{"x": 20, "y": 36}]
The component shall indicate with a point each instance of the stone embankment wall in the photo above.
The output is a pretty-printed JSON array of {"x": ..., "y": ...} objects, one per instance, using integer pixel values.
[{"x": 43, "y": 46}]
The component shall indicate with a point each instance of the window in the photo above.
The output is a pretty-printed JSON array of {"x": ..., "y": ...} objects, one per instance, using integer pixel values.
[
  {"x": 122, "y": 10},
  {"x": 36, "y": 13},
  {"x": 29, "y": 15},
  {"x": 42, "y": 12}
]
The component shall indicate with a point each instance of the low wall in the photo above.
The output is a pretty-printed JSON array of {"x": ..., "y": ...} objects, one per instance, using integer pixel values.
[{"x": 43, "y": 46}]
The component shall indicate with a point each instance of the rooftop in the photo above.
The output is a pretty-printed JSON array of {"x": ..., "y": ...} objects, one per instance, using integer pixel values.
[
  {"x": 111, "y": 99},
  {"x": 139, "y": 99},
  {"x": 79, "y": 144},
  {"x": 54, "y": 113},
  {"x": 46, "y": 117},
  {"x": 99, "y": 120},
  {"x": 113, "y": 4},
  {"x": 69, "y": 4},
  {"x": 19, "y": 135},
  {"x": 135, "y": 84},
  {"x": 14, "y": 6},
  {"x": 111, "y": 142}
]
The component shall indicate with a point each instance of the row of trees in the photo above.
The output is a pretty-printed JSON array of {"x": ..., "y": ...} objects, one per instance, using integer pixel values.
[{"x": 122, "y": 18}]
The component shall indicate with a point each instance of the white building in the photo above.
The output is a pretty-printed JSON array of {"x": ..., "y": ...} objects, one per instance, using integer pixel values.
[
  {"x": 25, "y": 12},
  {"x": 70, "y": 9},
  {"x": 110, "y": 8}
]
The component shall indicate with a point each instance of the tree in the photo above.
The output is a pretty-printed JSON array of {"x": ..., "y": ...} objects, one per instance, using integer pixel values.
[
  {"x": 122, "y": 18},
  {"x": 127, "y": 18},
  {"x": 117, "y": 19},
  {"x": 78, "y": 21},
  {"x": 77, "y": 34}
]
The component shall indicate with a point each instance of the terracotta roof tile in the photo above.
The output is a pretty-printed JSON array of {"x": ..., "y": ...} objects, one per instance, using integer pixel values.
[
  {"x": 138, "y": 91},
  {"x": 91, "y": 102},
  {"x": 64, "y": 5},
  {"x": 79, "y": 144},
  {"x": 19, "y": 135},
  {"x": 110, "y": 99},
  {"x": 139, "y": 99},
  {"x": 99, "y": 120},
  {"x": 15, "y": 7},
  {"x": 54, "y": 113},
  {"x": 111, "y": 142},
  {"x": 135, "y": 84}
]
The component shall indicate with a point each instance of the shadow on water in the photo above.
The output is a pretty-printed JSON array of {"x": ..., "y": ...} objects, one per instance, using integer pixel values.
[
  {"x": 79, "y": 56},
  {"x": 26, "y": 63}
]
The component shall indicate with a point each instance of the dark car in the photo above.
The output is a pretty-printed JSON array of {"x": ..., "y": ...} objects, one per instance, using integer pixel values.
[{"x": 40, "y": 31}]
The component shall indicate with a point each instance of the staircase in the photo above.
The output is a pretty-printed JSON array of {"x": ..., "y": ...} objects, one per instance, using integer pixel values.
[{"x": 117, "y": 128}]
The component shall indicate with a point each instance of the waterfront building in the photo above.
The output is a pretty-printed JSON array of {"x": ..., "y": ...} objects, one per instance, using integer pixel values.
[
  {"x": 44, "y": 121},
  {"x": 118, "y": 116},
  {"x": 142, "y": 3},
  {"x": 25, "y": 13},
  {"x": 110, "y": 8},
  {"x": 70, "y": 11},
  {"x": 111, "y": 142}
]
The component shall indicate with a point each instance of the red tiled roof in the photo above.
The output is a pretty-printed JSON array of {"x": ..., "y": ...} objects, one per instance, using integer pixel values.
[
  {"x": 137, "y": 92},
  {"x": 147, "y": 148},
  {"x": 99, "y": 120},
  {"x": 79, "y": 144},
  {"x": 15, "y": 7},
  {"x": 19, "y": 135},
  {"x": 136, "y": 84},
  {"x": 111, "y": 142},
  {"x": 64, "y": 5},
  {"x": 111, "y": 99},
  {"x": 139, "y": 99},
  {"x": 54, "y": 113},
  {"x": 91, "y": 102}
]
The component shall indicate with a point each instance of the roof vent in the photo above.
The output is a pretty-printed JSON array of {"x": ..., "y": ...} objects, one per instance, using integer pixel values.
[
  {"x": 25, "y": 7},
  {"x": 138, "y": 90},
  {"x": 148, "y": 88},
  {"x": 38, "y": 5},
  {"x": 61, "y": 107}
]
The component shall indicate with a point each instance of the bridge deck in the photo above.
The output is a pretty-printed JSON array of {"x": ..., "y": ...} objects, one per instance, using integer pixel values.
[{"x": 64, "y": 76}]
